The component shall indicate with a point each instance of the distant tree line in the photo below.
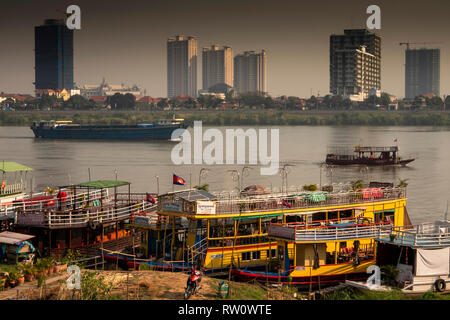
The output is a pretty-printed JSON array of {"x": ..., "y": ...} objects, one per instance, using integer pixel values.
[{"x": 252, "y": 100}]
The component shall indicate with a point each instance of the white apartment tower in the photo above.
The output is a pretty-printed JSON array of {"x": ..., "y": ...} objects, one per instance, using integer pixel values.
[
  {"x": 250, "y": 72},
  {"x": 217, "y": 66},
  {"x": 182, "y": 66}
]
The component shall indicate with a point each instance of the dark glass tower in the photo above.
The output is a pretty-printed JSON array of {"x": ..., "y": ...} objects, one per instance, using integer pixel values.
[
  {"x": 53, "y": 55},
  {"x": 422, "y": 72}
]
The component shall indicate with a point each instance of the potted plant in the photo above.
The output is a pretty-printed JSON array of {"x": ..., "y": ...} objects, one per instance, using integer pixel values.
[
  {"x": 2, "y": 283},
  {"x": 12, "y": 279},
  {"x": 29, "y": 272},
  {"x": 40, "y": 268},
  {"x": 49, "y": 265},
  {"x": 20, "y": 278}
]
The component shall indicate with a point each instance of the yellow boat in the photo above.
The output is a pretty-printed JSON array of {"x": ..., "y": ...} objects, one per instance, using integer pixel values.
[{"x": 197, "y": 228}]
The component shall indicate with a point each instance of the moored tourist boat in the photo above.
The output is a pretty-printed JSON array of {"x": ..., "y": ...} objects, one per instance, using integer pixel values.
[
  {"x": 84, "y": 217},
  {"x": 195, "y": 227},
  {"x": 421, "y": 256}
]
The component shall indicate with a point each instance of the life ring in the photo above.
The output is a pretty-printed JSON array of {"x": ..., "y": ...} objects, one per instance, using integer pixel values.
[
  {"x": 93, "y": 225},
  {"x": 440, "y": 285},
  {"x": 3, "y": 184}
]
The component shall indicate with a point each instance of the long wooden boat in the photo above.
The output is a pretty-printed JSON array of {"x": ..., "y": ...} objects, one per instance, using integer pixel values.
[{"x": 368, "y": 156}]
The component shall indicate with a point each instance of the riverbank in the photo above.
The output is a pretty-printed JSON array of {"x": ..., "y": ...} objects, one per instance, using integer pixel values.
[{"x": 236, "y": 117}]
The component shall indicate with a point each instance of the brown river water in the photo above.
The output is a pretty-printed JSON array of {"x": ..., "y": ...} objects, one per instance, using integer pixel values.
[{"x": 63, "y": 162}]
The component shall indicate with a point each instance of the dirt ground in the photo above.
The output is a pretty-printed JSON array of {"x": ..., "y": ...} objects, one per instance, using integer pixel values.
[{"x": 141, "y": 285}]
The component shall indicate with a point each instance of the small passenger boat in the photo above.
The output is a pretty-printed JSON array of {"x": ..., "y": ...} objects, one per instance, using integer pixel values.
[{"x": 368, "y": 156}]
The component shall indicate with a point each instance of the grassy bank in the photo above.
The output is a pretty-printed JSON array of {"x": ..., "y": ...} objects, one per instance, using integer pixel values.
[{"x": 235, "y": 117}]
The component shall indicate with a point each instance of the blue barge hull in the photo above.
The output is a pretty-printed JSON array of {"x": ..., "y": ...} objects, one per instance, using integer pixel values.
[{"x": 136, "y": 132}]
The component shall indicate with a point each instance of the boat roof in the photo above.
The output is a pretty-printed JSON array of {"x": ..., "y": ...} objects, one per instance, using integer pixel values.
[
  {"x": 193, "y": 195},
  {"x": 9, "y": 237},
  {"x": 102, "y": 184},
  {"x": 376, "y": 149},
  {"x": 9, "y": 166}
]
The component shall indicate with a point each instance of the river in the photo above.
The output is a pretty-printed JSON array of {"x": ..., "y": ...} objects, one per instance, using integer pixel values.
[{"x": 63, "y": 162}]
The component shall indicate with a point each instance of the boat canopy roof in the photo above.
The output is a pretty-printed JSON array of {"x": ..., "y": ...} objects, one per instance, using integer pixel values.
[
  {"x": 102, "y": 184},
  {"x": 8, "y": 237},
  {"x": 376, "y": 149},
  {"x": 8, "y": 166},
  {"x": 191, "y": 195}
]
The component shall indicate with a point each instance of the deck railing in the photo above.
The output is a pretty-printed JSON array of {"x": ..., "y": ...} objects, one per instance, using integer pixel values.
[
  {"x": 426, "y": 234},
  {"x": 302, "y": 200},
  {"x": 329, "y": 233},
  {"x": 12, "y": 189},
  {"x": 73, "y": 218},
  {"x": 46, "y": 200}
]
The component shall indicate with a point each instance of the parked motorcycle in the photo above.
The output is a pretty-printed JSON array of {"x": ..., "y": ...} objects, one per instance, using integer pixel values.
[{"x": 193, "y": 283}]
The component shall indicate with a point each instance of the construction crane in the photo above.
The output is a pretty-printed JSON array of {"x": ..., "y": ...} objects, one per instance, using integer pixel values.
[{"x": 408, "y": 43}]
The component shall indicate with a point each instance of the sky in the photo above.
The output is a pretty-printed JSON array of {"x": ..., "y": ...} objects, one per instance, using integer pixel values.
[{"x": 125, "y": 41}]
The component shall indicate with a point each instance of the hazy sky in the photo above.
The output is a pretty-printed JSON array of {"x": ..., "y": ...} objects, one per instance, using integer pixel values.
[{"x": 125, "y": 41}]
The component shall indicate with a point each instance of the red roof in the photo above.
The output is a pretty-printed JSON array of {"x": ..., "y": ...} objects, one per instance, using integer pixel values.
[
  {"x": 99, "y": 98},
  {"x": 148, "y": 99},
  {"x": 17, "y": 97},
  {"x": 429, "y": 95}
]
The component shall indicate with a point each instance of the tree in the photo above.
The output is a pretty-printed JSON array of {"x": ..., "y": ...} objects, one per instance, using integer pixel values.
[
  {"x": 163, "y": 103},
  {"x": 47, "y": 101},
  {"x": 120, "y": 101},
  {"x": 385, "y": 99},
  {"x": 434, "y": 102}
]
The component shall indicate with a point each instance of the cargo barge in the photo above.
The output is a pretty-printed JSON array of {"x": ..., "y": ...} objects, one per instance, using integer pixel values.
[{"x": 163, "y": 130}]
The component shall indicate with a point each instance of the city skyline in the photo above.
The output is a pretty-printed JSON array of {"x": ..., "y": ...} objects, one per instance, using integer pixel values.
[{"x": 126, "y": 42}]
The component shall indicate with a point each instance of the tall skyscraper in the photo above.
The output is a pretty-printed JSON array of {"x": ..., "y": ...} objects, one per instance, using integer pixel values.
[
  {"x": 422, "y": 72},
  {"x": 53, "y": 55},
  {"x": 181, "y": 66},
  {"x": 217, "y": 66},
  {"x": 355, "y": 63},
  {"x": 250, "y": 72}
]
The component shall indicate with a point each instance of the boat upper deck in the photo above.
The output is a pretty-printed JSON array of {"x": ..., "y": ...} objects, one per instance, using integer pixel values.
[
  {"x": 328, "y": 230},
  {"x": 429, "y": 235},
  {"x": 199, "y": 204},
  {"x": 79, "y": 205}
]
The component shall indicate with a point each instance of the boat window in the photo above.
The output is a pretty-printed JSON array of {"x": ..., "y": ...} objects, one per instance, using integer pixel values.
[
  {"x": 245, "y": 256},
  {"x": 345, "y": 214},
  {"x": 248, "y": 228},
  {"x": 295, "y": 218},
  {"x": 388, "y": 217},
  {"x": 256, "y": 255},
  {"x": 271, "y": 253},
  {"x": 318, "y": 216},
  {"x": 333, "y": 215}
]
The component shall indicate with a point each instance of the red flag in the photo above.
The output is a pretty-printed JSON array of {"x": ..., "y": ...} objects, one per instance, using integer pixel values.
[{"x": 178, "y": 180}]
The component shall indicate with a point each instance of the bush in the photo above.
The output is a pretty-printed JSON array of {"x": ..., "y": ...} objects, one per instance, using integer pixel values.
[{"x": 93, "y": 287}]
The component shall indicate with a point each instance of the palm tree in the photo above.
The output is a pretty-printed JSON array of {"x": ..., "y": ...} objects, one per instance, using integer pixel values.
[
  {"x": 357, "y": 185},
  {"x": 402, "y": 183},
  {"x": 204, "y": 187}
]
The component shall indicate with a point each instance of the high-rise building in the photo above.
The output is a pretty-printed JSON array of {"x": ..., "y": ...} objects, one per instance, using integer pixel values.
[
  {"x": 250, "y": 72},
  {"x": 53, "y": 55},
  {"x": 355, "y": 63},
  {"x": 217, "y": 66},
  {"x": 422, "y": 72},
  {"x": 181, "y": 66}
]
